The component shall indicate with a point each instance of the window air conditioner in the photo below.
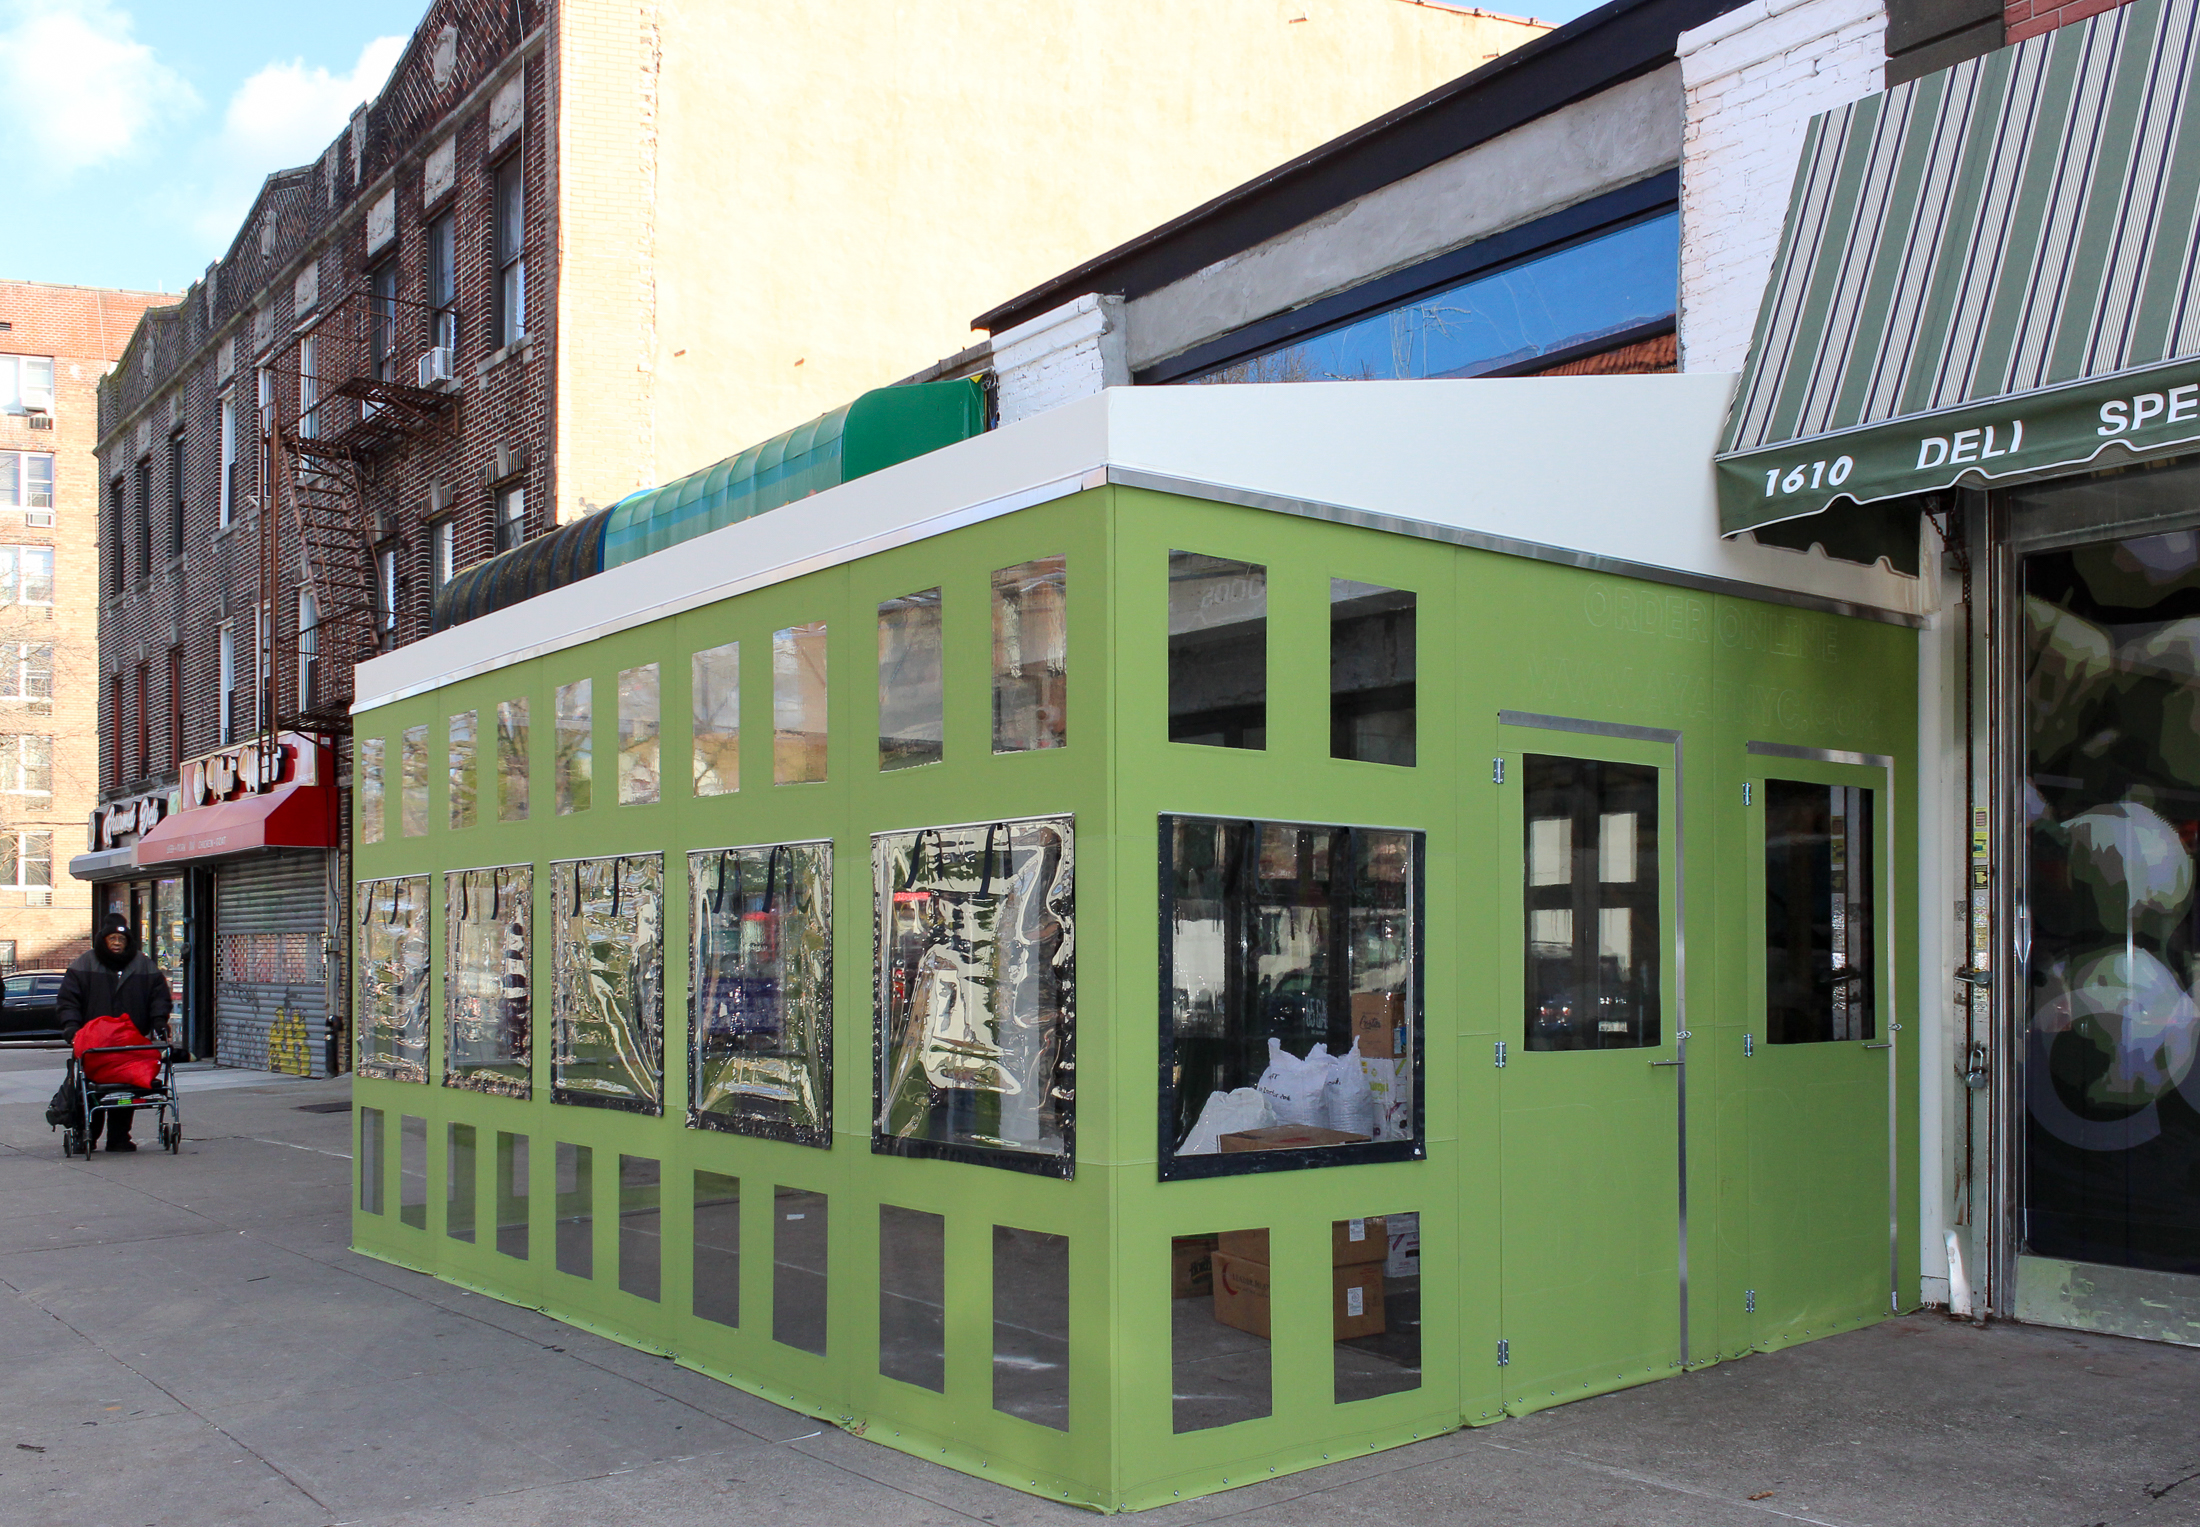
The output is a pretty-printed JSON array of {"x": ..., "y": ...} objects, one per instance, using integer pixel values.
[{"x": 435, "y": 366}]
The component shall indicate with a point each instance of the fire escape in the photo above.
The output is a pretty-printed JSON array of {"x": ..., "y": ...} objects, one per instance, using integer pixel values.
[{"x": 322, "y": 603}]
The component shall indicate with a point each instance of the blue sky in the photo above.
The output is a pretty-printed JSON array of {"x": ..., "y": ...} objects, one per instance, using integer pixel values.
[{"x": 153, "y": 122}]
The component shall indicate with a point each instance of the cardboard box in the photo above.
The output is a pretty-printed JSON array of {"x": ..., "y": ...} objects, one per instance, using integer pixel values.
[
  {"x": 1241, "y": 1293},
  {"x": 1379, "y": 1023},
  {"x": 1358, "y": 1240},
  {"x": 1245, "y": 1245},
  {"x": 1359, "y": 1301},
  {"x": 1289, "y": 1137},
  {"x": 1191, "y": 1267}
]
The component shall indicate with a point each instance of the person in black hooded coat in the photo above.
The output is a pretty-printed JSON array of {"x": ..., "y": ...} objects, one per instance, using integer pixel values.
[{"x": 115, "y": 977}]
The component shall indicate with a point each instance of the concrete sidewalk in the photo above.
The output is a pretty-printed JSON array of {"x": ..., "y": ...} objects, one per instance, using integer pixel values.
[{"x": 186, "y": 1340}]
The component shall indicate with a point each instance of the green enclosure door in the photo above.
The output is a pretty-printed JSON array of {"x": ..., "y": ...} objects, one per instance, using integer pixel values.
[
  {"x": 1589, "y": 1089},
  {"x": 1818, "y": 1060}
]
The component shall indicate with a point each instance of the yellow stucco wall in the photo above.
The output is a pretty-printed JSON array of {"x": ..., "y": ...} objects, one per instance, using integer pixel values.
[{"x": 768, "y": 206}]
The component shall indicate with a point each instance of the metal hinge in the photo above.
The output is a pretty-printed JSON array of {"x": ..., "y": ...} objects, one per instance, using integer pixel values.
[
  {"x": 1749, "y": 1044},
  {"x": 1504, "y": 1353},
  {"x": 1501, "y": 1055},
  {"x": 1749, "y": 1301},
  {"x": 1497, "y": 771},
  {"x": 1745, "y": 792}
]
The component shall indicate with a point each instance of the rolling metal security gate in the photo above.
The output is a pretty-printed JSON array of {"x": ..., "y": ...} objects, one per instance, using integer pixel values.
[{"x": 270, "y": 975}]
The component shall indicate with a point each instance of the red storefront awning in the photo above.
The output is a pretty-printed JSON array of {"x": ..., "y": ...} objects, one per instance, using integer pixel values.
[{"x": 289, "y": 816}]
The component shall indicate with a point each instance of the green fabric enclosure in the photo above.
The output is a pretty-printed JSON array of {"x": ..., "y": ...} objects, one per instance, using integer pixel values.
[
  {"x": 1986, "y": 274},
  {"x": 884, "y": 426}
]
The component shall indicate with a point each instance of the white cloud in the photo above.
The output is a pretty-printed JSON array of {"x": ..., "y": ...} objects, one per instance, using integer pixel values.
[{"x": 78, "y": 86}]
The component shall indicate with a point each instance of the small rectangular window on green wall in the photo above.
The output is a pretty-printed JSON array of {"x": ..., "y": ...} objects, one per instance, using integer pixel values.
[
  {"x": 512, "y": 760},
  {"x": 1031, "y": 656},
  {"x": 798, "y": 704},
  {"x": 1218, "y": 651},
  {"x": 638, "y": 728},
  {"x": 911, "y": 682},
  {"x": 412, "y": 789},
  {"x": 715, "y": 710},
  {"x": 1373, "y": 673},
  {"x": 461, "y": 761},
  {"x": 575, "y": 745},
  {"x": 717, "y": 1281},
  {"x": 370, "y": 789}
]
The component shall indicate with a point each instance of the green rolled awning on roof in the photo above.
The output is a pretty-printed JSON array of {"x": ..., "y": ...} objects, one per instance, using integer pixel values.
[
  {"x": 1986, "y": 275},
  {"x": 882, "y": 427}
]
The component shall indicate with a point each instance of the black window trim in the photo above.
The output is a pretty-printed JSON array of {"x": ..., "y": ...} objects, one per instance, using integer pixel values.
[{"x": 1644, "y": 199}]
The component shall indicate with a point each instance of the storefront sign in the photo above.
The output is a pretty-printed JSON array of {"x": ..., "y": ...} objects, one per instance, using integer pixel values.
[
  {"x": 253, "y": 769},
  {"x": 118, "y": 821}
]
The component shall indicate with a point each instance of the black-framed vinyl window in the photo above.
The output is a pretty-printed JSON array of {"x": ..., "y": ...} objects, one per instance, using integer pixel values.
[
  {"x": 1291, "y": 995},
  {"x": 977, "y": 993},
  {"x": 608, "y": 979},
  {"x": 760, "y": 991},
  {"x": 1593, "y": 936}
]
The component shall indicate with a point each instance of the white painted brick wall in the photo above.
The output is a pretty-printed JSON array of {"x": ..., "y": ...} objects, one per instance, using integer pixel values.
[
  {"x": 1754, "y": 78},
  {"x": 1069, "y": 353}
]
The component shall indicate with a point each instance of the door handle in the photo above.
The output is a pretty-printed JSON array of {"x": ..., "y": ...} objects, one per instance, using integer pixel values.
[
  {"x": 1666, "y": 1063},
  {"x": 1887, "y": 1046}
]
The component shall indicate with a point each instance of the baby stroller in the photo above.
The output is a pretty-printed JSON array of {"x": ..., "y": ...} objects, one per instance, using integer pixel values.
[{"x": 92, "y": 1098}]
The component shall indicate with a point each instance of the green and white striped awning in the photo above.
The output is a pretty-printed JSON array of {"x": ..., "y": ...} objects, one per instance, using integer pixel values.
[{"x": 1987, "y": 275}]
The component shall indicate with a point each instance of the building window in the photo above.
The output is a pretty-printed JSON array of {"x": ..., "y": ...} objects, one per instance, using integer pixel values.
[
  {"x": 458, "y": 759},
  {"x": 1819, "y": 959},
  {"x": 118, "y": 571},
  {"x": 309, "y": 387},
  {"x": 760, "y": 1003},
  {"x": 511, "y": 252},
  {"x": 382, "y": 320},
  {"x": 511, "y": 517},
  {"x": 1373, "y": 673},
  {"x": 714, "y": 693},
  {"x": 175, "y": 495},
  {"x": 443, "y": 283},
  {"x": 144, "y": 521},
  {"x": 26, "y": 575},
  {"x": 369, "y": 756},
  {"x": 228, "y": 483},
  {"x": 26, "y": 864},
  {"x": 1218, "y": 651},
  {"x": 227, "y": 683},
  {"x": 392, "y": 945},
  {"x": 115, "y": 719},
  {"x": 573, "y": 729},
  {"x": 638, "y": 742},
  {"x": 911, "y": 687},
  {"x": 798, "y": 704},
  {"x": 175, "y": 707},
  {"x": 309, "y": 649},
  {"x": 512, "y": 760},
  {"x": 26, "y": 384},
  {"x": 442, "y": 552},
  {"x": 1031, "y": 656},
  {"x": 1593, "y": 942},
  {"x": 263, "y": 661},
  {"x": 26, "y": 761},
  {"x": 144, "y": 720},
  {"x": 26, "y": 482},
  {"x": 385, "y": 597},
  {"x": 26, "y": 671},
  {"x": 412, "y": 782}
]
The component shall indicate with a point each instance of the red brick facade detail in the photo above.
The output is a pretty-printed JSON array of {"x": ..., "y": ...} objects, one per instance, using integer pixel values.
[{"x": 2029, "y": 18}]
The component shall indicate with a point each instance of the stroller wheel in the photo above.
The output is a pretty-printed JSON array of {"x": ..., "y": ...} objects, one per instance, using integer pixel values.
[
  {"x": 72, "y": 1143},
  {"x": 171, "y": 1135}
]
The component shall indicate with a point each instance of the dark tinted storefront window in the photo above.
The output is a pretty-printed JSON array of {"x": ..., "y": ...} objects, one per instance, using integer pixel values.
[
  {"x": 1592, "y": 903},
  {"x": 1818, "y": 912},
  {"x": 1218, "y": 651}
]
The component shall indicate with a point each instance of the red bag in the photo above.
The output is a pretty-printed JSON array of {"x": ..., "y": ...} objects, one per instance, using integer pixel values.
[{"x": 139, "y": 1069}]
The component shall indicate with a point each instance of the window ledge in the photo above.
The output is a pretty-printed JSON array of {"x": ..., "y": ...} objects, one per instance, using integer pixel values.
[{"x": 524, "y": 349}]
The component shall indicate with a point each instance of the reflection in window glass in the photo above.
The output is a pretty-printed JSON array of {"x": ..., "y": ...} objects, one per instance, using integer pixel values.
[
  {"x": 575, "y": 745},
  {"x": 638, "y": 735},
  {"x": 370, "y": 789},
  {"x": 1548, "y": 304},
  {"x": 512, "y": 1195},
  {"x": 461, "y": 762},
  {"x": 641, "y": 1227},
  {"x": 912, "y": 1297},
  {"x": 1220, "y": 1370},
  {"x": 486, "y": 1006},
  {"x": 911, "y": 688},
  {"x": 1818, "y": 912},
  {"x": 458, "y": 1183},
  {"x": 1592, "y": 903},
  {"x": 1376, "y": 1305},
  {"x": 714, "y": 688},
  {"x": 1031, "y": 656},
  {"x": 608, "y": 1016},
  {"x": 976, "y": 989},
  {"x": 412, "y": 1171},
  {"x": 1372, "y": 699},
  {"x": 717, "y": 1282},
  {"x": 1294, "y": 959},
  {"x": 1031, "y": 1325},
  {"x": 512, "y": 760},
  {"x": 576, "y": 1189},
  {"x": 760, "y": 996},
  {"x": 412, "y": 795},
  {"x": 393, "y": 978},
  {"x": 370, "y": 1160},
  {"x": 1218, "y": 651},
  {"x": 798, "y": 1269},
  {"x": 798, "y": 704}
]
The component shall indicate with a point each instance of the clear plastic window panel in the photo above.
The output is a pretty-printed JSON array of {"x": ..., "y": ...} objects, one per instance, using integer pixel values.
[
  {"x": 1373, "y": 673},
  {"x": 512, "y": 1195},
  {"x": 412, "y": 794},
  {"x": 1031, "y": 656},
  {"x": 1593, "y": 943},
  {"x": 371, "y": 1128},
  {"x": 575, "y": 1172},
  {"x": 1218, "y": 651},
  {"x": 911, "y": 682},
  {"x": 1294, "y": 953},
  {"x": 1221, "y": 1368},
  {"x": 512, "y": 760},
  {"x": 370, "y": 789},
  {"x": 641, "y": 1227},
  {"x": 1375, "y": 1305},
  {"x": 461, "y": 768},
  {"x": 715, "y": 1293},
  {"x": 1819, "y": 965},
  {"x": 608, "y": 1017},
  {"x": 800, "y": 1243},
  {"x": 574, "y": 740},
  {"x": 393, "y": 978},
  {"x": 977, "y": 989},
  {"x": 714, "y": 692},
  {"x": 1031, "y": 1325},
  {"x": 412, "y": 1171},
  {"x": 912, "y": 1297},
  {"x": 459, "y": 1182},
  {"x": 487, "y": 979},
  {"x": 638, "y": 740},
  {"x": 760, "y": 992},
  {"x": 798, "y": 705}
]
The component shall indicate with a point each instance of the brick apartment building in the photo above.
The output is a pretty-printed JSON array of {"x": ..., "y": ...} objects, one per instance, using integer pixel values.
[{"x": 56, "y": 342}]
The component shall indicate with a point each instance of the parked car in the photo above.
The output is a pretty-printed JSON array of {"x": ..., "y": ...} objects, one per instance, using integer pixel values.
[{"x": 27, "y": 1008}]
